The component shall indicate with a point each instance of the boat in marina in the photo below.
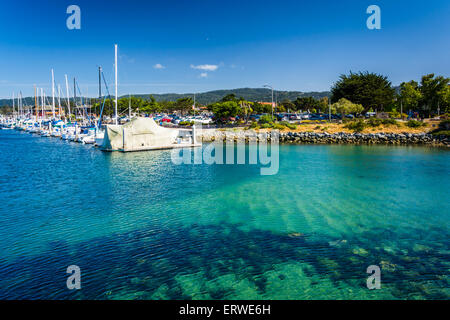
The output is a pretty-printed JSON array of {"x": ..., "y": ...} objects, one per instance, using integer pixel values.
[
  {"x": 45, "y": 133},
  {"x": 99, "y": 136},
  {"x": 88, "y": 136},
  {"x": 137, "y": 134},
  {"x": 69, "y": 132},
  {"x": 84, "y": 133},
  {"x": 56, "y": 133},
  {"x": 142, "y": 134}
]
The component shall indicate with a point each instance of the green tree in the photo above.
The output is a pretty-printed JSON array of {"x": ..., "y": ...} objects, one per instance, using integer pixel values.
[
  {"x": 246, "y": 108},
  {"x": 410, "y": 95},
  {"x": 262, "y": 108},
  {"x": 223, "y": 110},
  {"x": 280, "y": 108},
  {"x": 288, "y": 105},
  {"x": 230, "y": 97},
  {"x": 344, "y": 106},
  {"x": 150, "y": 106},
  {"x": 368, "y": 89},
  {"x": 306, "y": 103},
  {"x": 434, "y": 93},
  {"x": 167, "y": 106},
  {"x": 184, "y": 104},
  {"x": 124, "y": 103},
  {"x": 445, "y": 97}
]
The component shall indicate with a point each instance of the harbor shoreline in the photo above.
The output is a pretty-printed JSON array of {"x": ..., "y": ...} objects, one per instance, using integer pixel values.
[{"x": 210, "y": 135}]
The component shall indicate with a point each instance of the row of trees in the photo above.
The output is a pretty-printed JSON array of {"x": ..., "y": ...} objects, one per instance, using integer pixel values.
[
  {"x": 137, "y": 104},
  {"x": 239, "y": 107},
  {"x": 353, "y": 93},
  {"x": 231, "y": 106},
  {"x": 430, "y": 96},
  {"x": 373, "y": 91}
]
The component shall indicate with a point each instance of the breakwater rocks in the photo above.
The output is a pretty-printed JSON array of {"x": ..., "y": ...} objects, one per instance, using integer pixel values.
[
  {"x": 326, "y": 138},
  {"x": 368, "y": 138}
]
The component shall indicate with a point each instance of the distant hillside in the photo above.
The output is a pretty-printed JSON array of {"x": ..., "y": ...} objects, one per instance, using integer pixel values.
[{"x": 251, "y": 94}]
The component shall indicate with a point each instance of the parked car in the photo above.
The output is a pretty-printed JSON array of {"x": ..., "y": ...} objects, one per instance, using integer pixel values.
[
  {"x": 315, "y": 116},
  {"x": 176, "y": 120}
]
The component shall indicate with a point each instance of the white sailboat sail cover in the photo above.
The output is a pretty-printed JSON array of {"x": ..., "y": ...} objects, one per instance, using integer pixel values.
[{"x": 138, "y": 134}]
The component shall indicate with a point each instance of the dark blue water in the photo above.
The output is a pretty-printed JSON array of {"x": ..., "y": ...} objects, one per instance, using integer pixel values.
[{"x": 140, "y": 227}]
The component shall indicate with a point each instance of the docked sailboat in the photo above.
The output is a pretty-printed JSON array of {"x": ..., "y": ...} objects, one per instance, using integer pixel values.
[{"x": 143, "y": 133}]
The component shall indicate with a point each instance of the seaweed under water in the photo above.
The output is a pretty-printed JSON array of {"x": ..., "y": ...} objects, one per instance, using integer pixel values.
[{"x": 224, "y": 262}]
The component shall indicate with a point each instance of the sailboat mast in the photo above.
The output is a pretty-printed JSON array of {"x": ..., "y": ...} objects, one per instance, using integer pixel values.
[
  {"x": 99, "y": 88},
  {"x": 88, "y": 105},
  {"x": 14, "y": 102},
  {"x": 59, "y": 101},
  {"x": 20, "y": 103},
  {"x": 53, "y": 94},
  {"x": 19, "y": 114},
  {"x": 115, "y": 68},
  {"x": 67, "y": 95},
  {"x": 75, "y": 97},
  {"x": 42, "y": 104},
  {"x": 35, "y": 103}
]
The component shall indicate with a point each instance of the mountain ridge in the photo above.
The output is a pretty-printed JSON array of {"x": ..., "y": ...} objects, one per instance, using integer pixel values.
[{"x": 251, "y": 94}]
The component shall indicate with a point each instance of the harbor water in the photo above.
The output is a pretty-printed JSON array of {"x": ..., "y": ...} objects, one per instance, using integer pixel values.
[{"x": 141, "y": 227}]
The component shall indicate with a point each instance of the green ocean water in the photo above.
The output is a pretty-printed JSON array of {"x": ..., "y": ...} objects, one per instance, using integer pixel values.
[{"x": 141, "y": 227}]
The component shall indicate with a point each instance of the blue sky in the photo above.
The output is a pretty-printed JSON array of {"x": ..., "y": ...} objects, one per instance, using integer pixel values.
[{"x": 207, "y": 44}]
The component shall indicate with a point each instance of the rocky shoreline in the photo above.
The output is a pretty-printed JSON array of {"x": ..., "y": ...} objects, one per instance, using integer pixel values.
[
  {"x": 328, "y": 138},
  {"x": 370, "y": 138}
]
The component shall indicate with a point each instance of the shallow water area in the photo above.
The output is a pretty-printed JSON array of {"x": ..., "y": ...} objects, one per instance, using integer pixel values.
[{"x": 141, "y": 227}]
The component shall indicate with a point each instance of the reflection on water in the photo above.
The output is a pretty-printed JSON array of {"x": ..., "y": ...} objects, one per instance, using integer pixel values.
[{"x": 140, "y": 227}]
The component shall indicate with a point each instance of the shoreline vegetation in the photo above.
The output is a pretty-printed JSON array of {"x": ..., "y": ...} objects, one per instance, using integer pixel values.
[
  {"x": 371, "y": 131},
  {"x": 360, "y": 106}
]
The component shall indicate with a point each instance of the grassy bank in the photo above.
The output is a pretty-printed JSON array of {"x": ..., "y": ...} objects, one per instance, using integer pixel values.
[{"x": 360, "y": 126}]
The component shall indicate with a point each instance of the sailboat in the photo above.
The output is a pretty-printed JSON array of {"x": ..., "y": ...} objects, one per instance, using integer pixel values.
[
  {"x": 100, "y": 132},
  {"x": 143, "y": 133}
]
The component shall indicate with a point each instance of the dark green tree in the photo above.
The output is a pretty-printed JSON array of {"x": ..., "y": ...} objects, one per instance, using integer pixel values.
[
  {"x": 150, "y": 106},
  {"x": 167, "y": 106},
  {"x": 225, "y": 109},
  {"x": 184, "y": 104},
  {"x": 307, "y": 103},
  {"x": 230, "y": 97},
  {"x": 371, "y": 90},
  {"x": 288, "y": 105}
]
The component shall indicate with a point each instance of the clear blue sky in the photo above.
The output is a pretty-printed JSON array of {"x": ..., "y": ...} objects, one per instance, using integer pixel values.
[{"x": 293, "y": 45}]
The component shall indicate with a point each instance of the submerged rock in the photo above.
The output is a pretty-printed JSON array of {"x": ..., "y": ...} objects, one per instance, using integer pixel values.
[
  {"x": 386, "y": 265},
  {"x": 135, "y": 280},
  {"x": 295, "y": 235},
  {"x": 337, "y": 243},
  {"x": 421, "y": 248},
  {"x": 360, "y": 251}
]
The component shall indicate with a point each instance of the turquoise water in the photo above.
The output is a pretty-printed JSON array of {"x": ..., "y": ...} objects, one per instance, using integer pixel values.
[{"x": 140, "y": 227}]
